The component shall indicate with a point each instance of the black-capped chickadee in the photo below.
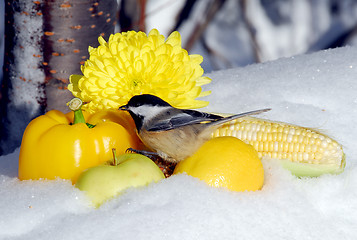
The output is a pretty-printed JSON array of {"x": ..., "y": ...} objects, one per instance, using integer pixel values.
[{"x": 174, "y": 134}]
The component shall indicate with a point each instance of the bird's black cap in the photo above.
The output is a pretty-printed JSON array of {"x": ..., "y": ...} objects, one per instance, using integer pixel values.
[{"x": 146, "y": 99}]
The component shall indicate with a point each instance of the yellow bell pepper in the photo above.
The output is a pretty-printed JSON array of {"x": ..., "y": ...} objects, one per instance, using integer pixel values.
[{"x": 58, "y": 145}]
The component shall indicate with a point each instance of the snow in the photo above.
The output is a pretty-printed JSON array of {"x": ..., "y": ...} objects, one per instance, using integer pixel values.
[{"x": 315, "y": 90}]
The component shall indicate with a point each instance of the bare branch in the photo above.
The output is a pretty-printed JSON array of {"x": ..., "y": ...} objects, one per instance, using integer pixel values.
[{"x": 200, "y": 26}]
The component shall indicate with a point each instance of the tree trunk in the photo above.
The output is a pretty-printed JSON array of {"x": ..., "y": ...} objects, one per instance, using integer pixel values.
[{"x": 45, "y": 42}]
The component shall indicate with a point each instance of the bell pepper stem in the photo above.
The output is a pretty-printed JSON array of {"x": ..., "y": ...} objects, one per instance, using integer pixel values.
[
  {"x": 78, "y": 117},
  {"x": 75, "y": 105},
  {"x": 115, "y": 159}
]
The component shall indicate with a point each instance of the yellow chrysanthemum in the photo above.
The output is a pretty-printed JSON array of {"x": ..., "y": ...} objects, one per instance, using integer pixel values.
[{"x": 133, "y": 63}]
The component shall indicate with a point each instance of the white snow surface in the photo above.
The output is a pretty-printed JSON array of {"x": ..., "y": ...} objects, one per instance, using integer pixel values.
[{"x": 316, "y": 90}]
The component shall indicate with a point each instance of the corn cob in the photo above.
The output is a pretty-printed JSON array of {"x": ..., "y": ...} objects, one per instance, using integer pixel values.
[{"x": 305, "y": 152}]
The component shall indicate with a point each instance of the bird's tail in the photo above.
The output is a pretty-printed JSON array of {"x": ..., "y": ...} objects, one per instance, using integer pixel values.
[{"x": 230, "y": 118}]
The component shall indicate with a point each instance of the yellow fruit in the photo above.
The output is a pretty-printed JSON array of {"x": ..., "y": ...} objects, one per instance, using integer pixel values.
[{"x": 225, "y": 162}]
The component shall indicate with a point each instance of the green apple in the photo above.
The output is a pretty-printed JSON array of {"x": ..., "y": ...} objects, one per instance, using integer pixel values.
[{"x": 103, "y": 182}]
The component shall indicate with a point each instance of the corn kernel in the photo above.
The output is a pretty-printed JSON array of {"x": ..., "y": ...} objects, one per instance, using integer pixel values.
[{"x": 283, "y": 141}]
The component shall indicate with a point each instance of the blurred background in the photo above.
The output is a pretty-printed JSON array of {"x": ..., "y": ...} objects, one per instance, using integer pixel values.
[
  {"x": 231, "y": 33},
  {"x": 47, "y": 41}
]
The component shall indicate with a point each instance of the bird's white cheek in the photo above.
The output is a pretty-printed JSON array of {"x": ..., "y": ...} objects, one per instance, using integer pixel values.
[{"x": 148, "y": 112}]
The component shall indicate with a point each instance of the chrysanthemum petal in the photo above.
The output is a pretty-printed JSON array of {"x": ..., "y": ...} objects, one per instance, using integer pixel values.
[
  {"x": 204, "y": 94},
  {"x": 202, "y": 81},
  {"x": 154, "y": 32},
  {"x": 73, "y": 86},
  {"x": 101, "y": 41},
  {"x": 132, "y": 63},
  {"x": 196, "y": 59},
  {"x": 174, "y": 39}
]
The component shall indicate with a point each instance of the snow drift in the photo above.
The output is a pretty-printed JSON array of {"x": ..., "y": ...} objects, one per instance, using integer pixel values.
[{"x": 316, "y": 90}]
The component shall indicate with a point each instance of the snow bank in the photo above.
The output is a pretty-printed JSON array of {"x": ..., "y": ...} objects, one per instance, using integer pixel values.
[{"x": 314, "y": 90}]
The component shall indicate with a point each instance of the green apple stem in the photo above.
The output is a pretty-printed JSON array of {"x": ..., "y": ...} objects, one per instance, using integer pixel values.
[
  {"x": 115, "y": 159},
  {"x": 76, "y": 106}
]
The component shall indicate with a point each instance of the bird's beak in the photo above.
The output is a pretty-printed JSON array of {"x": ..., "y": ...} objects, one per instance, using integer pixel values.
[{"x": 124, "y": 108}]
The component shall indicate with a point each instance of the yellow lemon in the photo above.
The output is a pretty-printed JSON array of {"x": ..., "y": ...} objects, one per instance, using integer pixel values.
[{"x": 225, "y": 162}]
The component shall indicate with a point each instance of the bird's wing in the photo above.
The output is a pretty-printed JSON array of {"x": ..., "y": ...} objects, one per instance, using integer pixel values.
[{"x": 183, "y": 118}]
